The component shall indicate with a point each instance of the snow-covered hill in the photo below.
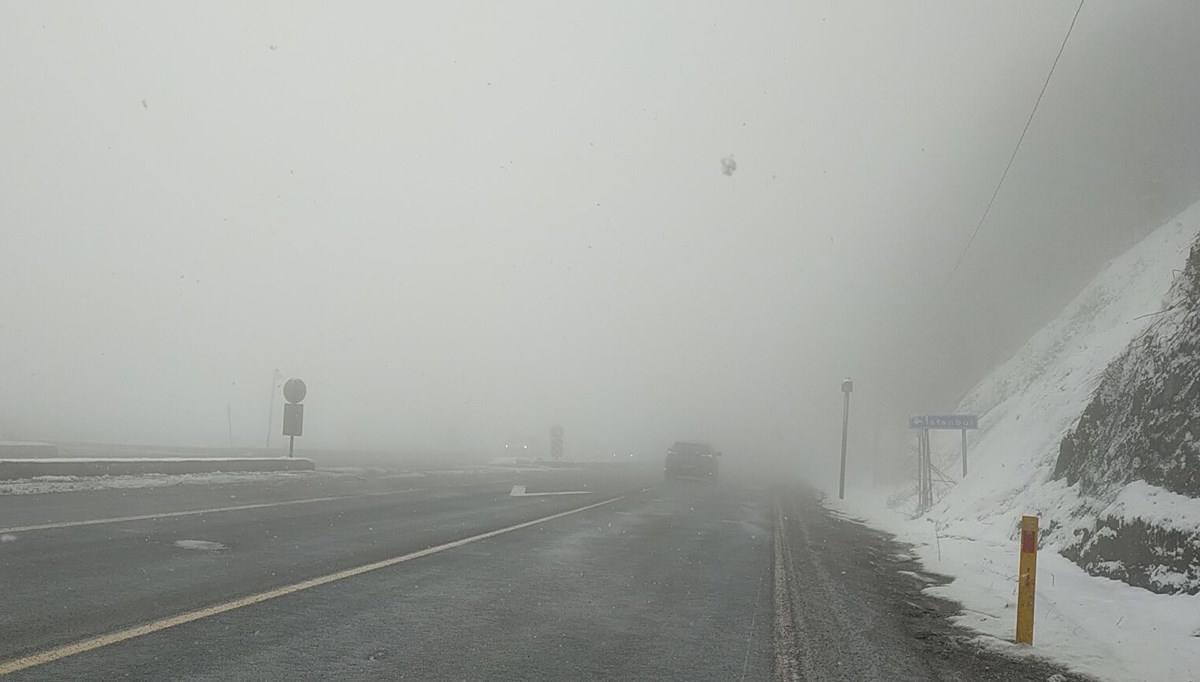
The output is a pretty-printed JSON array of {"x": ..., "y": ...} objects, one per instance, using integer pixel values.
[
  {"x": 1135, "y": 457},
  {"x": 1027, "y": 406},
  {"x": 1029, "y": 403}
]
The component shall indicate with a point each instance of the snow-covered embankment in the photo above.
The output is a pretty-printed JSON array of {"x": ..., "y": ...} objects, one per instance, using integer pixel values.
[{"x": 1027, "y": 405}]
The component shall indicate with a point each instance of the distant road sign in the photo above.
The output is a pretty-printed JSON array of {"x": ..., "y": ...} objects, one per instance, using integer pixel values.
[
  {"x": 294, "y": 390},
  {"x": 293, "y": 419},
  {"x": 944, "y": 421}
]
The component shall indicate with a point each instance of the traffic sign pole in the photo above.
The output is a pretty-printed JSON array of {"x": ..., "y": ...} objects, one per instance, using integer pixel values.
[
  {"x": 275, "y": 376},
  {"x": 847, "y": 387},
  {"x": 926, "y": 474},
  {"x": 924, "y": 423},
  {"x": 964, "y": 452}
]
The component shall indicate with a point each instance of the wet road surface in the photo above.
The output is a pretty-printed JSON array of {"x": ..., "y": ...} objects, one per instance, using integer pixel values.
[{"x": 470, "y": 576}]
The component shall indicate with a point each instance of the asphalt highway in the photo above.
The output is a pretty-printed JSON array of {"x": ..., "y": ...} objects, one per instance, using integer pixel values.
[{"x": 599, "y": 572}]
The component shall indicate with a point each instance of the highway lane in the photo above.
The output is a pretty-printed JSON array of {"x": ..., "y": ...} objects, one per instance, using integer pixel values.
[
  {"x": 651, "y": 579},
  {"x": 62, "y": 584},
  {"x": 20, "y": 510}
]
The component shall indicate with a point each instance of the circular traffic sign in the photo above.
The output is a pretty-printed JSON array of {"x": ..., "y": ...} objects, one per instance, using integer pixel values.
[{"x": 294, "y": 390}]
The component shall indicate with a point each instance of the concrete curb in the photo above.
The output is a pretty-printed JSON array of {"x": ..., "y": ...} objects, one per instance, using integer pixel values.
[{"x": 11, "y": 469}]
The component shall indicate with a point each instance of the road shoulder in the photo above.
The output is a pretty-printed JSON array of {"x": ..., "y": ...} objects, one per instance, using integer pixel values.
[{"x": 854, "y": 600}]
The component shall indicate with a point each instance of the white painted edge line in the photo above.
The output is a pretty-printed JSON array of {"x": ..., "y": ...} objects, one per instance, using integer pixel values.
[
  {"x": 119, "y": 636},
  {"x": 519, "y": 491},
  {"x": 193, "y": 512}
]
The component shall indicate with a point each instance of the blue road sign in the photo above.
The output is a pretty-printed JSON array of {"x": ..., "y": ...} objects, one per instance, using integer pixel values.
[{"x": 944, "y": 421}]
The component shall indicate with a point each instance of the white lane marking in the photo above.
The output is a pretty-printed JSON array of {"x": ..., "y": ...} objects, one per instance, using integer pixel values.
[
  {"x": 519, "y": 491},
  {"x": 193, "y": 512},
  {"x": 753, "y": 621},
  {"x": 209, "y": 611},
  {"x": 202, "y": 545}
]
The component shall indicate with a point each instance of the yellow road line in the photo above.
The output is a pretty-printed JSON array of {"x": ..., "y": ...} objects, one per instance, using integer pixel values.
[
  {"x": 193, "y": 512},
  {"x": 783, "y": 632},
  {"x": 209, "y": 611}
]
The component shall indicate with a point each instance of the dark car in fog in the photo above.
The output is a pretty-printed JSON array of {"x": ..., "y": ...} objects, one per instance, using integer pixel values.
[{"x": 693, "y": 460}]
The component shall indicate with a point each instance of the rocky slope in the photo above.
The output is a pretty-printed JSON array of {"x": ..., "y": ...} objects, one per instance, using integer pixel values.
[
  {"x": 1142, "y": 426},
  {"x": 1090, "y": 425}
]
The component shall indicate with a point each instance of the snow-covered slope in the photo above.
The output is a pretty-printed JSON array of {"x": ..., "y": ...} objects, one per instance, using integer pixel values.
[
  {"x": 1027, "y": 405},
  {"x": 1134, "y": 454}
]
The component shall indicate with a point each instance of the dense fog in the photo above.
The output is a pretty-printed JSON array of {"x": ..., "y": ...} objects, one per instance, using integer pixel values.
[{"x": 462, "y": 223}]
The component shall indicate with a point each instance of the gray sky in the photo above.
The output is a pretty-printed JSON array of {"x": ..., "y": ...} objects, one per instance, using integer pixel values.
[{"x": 463, "y": 222}]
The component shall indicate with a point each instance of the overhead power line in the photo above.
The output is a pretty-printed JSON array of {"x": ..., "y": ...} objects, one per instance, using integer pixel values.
[{"x": 1017, "y": 148}]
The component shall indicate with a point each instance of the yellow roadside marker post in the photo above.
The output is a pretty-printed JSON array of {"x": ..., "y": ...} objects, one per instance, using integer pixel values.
[{"x": 1027, "y": 579}]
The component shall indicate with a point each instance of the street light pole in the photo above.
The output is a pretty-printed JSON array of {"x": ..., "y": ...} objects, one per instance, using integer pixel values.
[{"x": 847, "y": 387}]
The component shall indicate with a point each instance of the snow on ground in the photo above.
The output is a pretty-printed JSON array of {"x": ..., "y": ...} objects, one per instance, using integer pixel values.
[
  {"x": 77, "y": 460},
  {"x": 1095, "y": 625},
  {"x": 530, "y": 464},
  {"x": 67, "y": 484},
  {"x": 1028, "y": 403},
  {"x": 373, "y": 472},
  {"x": 70, "y": 484},
  {"x": 1157, "y": 506}
]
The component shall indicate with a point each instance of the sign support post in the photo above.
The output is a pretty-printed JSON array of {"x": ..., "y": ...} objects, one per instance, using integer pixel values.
[
  {"x": 923, "y": 424},
  {"x": 921, "y": 468},
  {"x": 847, "y": 387},
  {"x": 275, "y": 377},
  {"x": 964, "y": 452},
  {"x": 926, "y": 474}
]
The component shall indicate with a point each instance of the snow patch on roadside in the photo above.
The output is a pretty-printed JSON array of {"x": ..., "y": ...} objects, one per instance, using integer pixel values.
[
  {"x": 373, "y": 472},
  {"x": 1155, "y": 505},
  {"x": 1027, "y": 404},
  {"x": 69, "y": 484},
  {"x": 80, "y": 460},
  {"x": 1095, "y": 625}
]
